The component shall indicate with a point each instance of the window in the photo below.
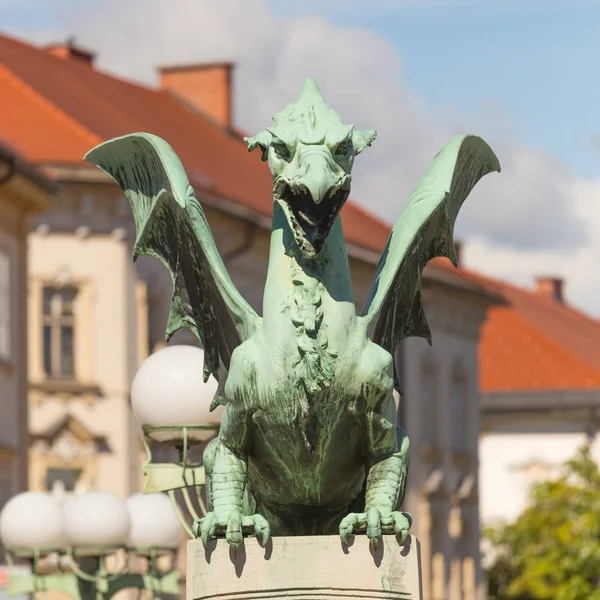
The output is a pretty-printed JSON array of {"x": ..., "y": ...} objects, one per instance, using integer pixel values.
[
  {"x": 63, "y": 480},
  {"x": 459, "y": 413},
  {"x": 59, "y": 332},
  {"x": 429, "y": 428},
  {"x": 4, "y": 307}
]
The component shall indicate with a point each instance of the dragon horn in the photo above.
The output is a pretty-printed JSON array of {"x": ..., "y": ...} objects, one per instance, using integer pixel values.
[{"x": 310, "y": 91}]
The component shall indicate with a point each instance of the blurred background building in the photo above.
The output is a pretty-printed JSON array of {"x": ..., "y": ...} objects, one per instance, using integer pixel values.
[
  {"x": 24, "y": 192},
  {"x": 540, "y": 382},
  {"x": 440, "y": 411},
  {"x": 94, "y": 316}
]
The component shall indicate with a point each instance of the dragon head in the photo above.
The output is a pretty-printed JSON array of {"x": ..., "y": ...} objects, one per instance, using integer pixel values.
[{"x": 310, "y": 152}]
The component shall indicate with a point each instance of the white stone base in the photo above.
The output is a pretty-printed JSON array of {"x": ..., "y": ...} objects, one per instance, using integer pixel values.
[{"x": 315, "y": 568}]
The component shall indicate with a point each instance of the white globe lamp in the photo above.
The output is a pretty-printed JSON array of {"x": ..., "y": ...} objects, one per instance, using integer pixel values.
[
  {"x": 154, "y": 522},
  {"x": 32, "y": 520},
  {"x": 96, "y": 519},
  {"x": 168, "y": 392}
]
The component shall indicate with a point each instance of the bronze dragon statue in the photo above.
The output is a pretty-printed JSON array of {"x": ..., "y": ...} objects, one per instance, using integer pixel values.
[{"x": 308, "y": 441}]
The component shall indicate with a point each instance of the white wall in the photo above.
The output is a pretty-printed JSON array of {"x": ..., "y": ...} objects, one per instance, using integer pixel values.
[{"x": 515, "y": 454}]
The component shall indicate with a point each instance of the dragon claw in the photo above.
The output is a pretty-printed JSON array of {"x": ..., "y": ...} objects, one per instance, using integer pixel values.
[
  {"x": 375, "y": 523},
  {"x": 374, "y": 527},
  {"x": 402, "y": 523},
  {"x": 233, "y": 526},
  {"x": 233, "y": 532},
  {"x": 347, "y": 527},
  {"x": 262, "y": 529},
  {"x": 208, "y": 527}
]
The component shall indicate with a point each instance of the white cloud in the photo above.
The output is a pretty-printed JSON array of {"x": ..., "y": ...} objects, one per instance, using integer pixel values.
[
  {"x": 535, "y": 216},
  {"x": 579, "y": 268}
]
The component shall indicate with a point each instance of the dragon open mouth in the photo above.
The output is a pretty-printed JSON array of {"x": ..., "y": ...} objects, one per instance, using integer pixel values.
[{"x": 311, "y": 222}]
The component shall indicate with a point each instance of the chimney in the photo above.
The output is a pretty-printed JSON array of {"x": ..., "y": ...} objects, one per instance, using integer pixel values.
[
  {"x": 205, "y": 86},
  {"x": 69, "y": 50},
  {"x": 458, "y": 251},
  {"x": 551, "y": 287}
]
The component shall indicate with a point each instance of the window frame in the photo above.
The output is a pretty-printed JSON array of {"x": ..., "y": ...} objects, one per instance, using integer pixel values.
[
  {"x": 75, "y": 473},
  {"x": 429, "y": 436},
  {"x": 56, "y": 319},
  {"x": 460, "y": 379}
]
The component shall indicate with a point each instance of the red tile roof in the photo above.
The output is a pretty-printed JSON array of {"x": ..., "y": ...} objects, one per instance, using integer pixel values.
[
  {"x": 54, "y": 110},
  {"x": 536, "y": 344}
]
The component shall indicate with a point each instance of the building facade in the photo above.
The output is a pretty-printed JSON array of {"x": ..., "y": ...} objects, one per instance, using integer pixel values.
[
  {"x": 442, "y": 416},
  {"x": 23, "y": 193},
  {"x": 540, "y": 379},
  {"x": 95, "y": 315}
]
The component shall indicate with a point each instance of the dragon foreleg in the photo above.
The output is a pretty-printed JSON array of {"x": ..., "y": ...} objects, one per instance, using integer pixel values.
[
  {"x": 386, "y": 481},
  {"x": 228, "y": 498},
  {"x": 385, "y": 487}
]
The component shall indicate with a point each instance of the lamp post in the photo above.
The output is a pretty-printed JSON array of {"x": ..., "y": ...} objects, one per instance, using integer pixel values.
[
  {"x": 172, "y": 403},
  {"x": 85, "y": 547},
  {"x": 90, "y": 543}
]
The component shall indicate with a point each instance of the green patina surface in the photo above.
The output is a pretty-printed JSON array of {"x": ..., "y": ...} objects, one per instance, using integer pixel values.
[{"x": 308, "y": 442}]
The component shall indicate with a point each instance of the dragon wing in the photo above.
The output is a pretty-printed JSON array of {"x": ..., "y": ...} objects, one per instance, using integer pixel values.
[
  {"x": 394, "y": 309},
  {"x": 171, "y": 226}
]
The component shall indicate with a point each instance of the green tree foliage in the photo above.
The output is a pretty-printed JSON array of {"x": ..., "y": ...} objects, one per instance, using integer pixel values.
[{"x": 552, "y": 551}]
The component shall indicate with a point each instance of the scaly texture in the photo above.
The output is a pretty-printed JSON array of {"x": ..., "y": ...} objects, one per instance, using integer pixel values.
[{"x": 314, "y": 364}]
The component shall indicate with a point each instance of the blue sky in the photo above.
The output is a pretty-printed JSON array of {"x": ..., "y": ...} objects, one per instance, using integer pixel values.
[{"x": 533, "y": 61}]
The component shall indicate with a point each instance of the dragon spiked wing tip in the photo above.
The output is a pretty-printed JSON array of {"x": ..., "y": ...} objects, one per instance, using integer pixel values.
[
  {"x": 424, "y": 230},
  {"x": 171, "y": 226}
]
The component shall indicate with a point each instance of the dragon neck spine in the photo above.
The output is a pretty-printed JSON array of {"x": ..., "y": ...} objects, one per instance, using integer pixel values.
[{"x": 314, "y": 363}]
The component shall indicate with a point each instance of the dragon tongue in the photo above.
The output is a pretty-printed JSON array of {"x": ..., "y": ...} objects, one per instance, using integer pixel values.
[{"x": 307, "y": 219}]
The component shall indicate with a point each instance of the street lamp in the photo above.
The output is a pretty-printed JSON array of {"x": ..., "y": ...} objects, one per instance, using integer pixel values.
[
  {"x": 95, "y": 521},
  {"x": 94, "y": 538},
  {"x": 172, "y": 403},
  {"x": 154, "y": 524},
  {"x": 32, "y": 523},
  {"x": 85, "y": 547}
]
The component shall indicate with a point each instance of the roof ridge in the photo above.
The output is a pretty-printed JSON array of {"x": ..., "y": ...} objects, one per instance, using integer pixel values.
[
  {"x": 40, "y": 48},
  {"x": 500, "y": 282},
  {"x": 199, "y": 113},
  {"x": 87, "y": 134},
  {"x": 374, "y": 217}
]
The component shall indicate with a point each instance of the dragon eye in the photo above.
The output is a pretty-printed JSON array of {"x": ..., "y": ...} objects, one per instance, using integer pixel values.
[
  {"x": 342, "y": 149},
  {"x": 281, "y": 150}
]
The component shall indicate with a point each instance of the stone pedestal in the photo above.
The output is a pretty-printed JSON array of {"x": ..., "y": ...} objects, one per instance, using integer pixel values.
[{"x": 315, "y": 568}]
